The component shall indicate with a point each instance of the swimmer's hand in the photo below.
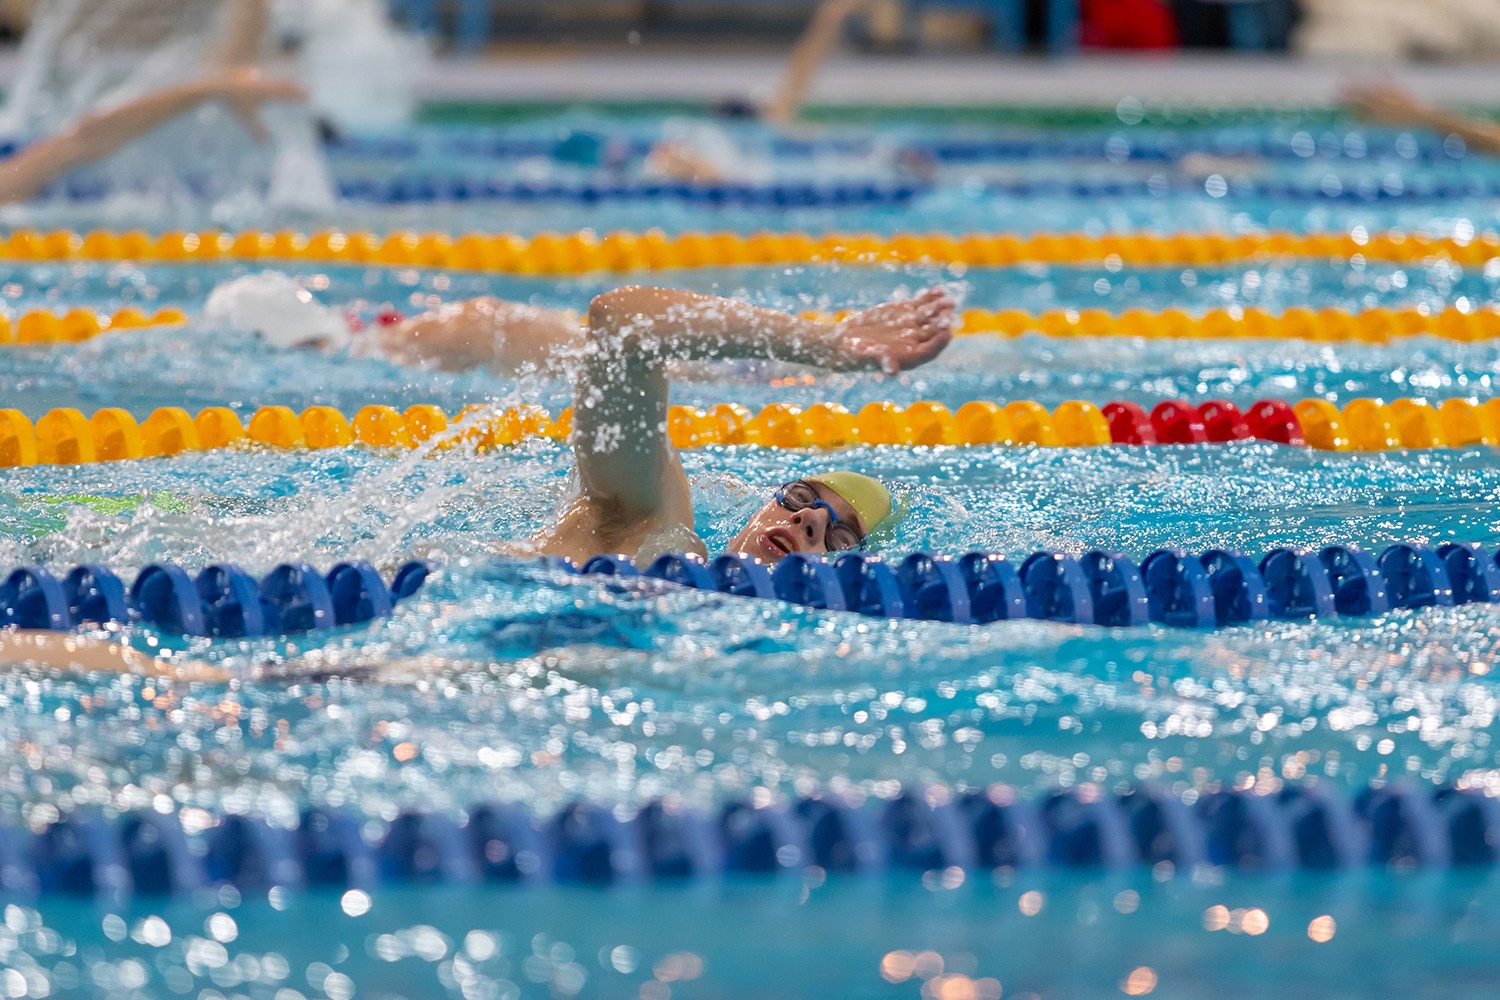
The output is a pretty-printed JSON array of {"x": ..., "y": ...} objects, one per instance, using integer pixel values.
[
  {"x": 244, "y": 89},
  {"x": 895, "y": 336}
]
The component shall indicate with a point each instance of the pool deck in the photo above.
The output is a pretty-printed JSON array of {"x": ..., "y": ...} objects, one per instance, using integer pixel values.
[{"x": 562, "y": 73}]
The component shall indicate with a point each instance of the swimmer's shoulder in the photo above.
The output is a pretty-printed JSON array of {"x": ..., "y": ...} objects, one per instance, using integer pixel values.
[{"x": 582, "y": 532}]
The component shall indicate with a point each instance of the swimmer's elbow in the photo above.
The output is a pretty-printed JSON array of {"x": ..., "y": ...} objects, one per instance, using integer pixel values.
[{"x": 620, "y": 306}]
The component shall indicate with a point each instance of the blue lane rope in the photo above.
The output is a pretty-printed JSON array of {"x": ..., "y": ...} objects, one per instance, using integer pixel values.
[
  {"x": 1301, "y": 826},
  {"x": 1329, "y": 188},
  {"x": 434, "y": 189},
  {"x": 1213, "y": 589},
  {"x": 585, "y": 148},
  {"x": 423, "y": 189},
  {"x": 222, "y": 600},
  {"x": 401, "y": 190}
]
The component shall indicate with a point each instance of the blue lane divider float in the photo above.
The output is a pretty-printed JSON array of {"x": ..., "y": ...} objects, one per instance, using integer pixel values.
[
  {"x": 434, "y": 189},
  {"x": 588, "y": 148},
  {"x": 1288, "y": 144},
  {"x": 424, "y": 189},
  {"x": 1328, "y": 188},
  {"x": 1303, "y": 827},
  {"x": 404, "y": 190},
  {"x": 222, "y": 600},
  {"x": 1215, "y": 589}
]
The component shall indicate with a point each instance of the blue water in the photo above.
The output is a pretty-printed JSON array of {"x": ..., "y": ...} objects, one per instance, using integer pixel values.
[
  {"x": 1416, "y": 937},
  {"x": 506, "y": 683},
  {"x": 1320, "y": 179}
]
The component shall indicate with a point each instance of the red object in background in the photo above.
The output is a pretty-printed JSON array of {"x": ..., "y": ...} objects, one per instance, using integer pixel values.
[
  {"x": 1223, "y": 421},
  {"x": 1176, "y": 422},
  {"x": 1127, "y": 24},
  {"x": 389, "y": 317},
  {"x": 1275, "y": 420},
  {"x": 1128, "y": 424}
]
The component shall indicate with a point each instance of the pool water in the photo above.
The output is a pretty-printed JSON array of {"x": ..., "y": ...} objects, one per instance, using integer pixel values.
[{"x": 509, "y": 683}]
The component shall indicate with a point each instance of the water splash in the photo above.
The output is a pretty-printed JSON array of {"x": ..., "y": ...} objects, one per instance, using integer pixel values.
[{"x": 361, "y": 71}]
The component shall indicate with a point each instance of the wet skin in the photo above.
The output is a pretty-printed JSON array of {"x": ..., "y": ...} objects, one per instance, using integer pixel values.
[{"x": 775, "y": 532}]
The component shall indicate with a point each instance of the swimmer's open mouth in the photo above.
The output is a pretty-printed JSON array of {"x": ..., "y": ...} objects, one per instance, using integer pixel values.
[{"x": 777, "y": 539}]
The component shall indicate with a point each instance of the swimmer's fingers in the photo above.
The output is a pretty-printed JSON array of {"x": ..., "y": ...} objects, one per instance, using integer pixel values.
[
  {"x": 930, "y": 332},
  {"x": 914, "y": 348},
  {"x": 896, "y": 336},
  {"x": 930, "y": 344},
  {"x": 935, "y": 301},
  {"x": 939, "y": 312}
]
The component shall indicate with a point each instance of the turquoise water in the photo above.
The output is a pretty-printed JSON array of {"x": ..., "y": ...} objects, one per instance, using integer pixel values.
[
  {"x": 1199, "y": 178},
  {"x": 513, "y": 684},
  {"x": 1412, "y": 936}
]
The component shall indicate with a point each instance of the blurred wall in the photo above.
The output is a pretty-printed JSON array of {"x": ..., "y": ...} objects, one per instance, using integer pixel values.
[{"x": 1428, "y": 29}]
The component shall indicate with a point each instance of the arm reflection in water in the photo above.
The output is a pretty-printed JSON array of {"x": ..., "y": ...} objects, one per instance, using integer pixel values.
[{"x": 87, "y": 655}]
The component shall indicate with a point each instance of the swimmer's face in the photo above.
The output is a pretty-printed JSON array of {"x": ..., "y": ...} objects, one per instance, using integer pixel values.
[{"x": 776, "y": 530}]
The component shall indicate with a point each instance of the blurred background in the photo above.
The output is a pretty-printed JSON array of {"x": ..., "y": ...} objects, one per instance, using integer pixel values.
[
  {"x": 886, "y": 52},
  {"x": 1419, "y": 28},
  {"x": 1424, "y": 29}
]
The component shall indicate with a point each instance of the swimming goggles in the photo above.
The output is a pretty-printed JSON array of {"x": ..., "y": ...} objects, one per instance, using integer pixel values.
[{"x": 800, "y": 495}]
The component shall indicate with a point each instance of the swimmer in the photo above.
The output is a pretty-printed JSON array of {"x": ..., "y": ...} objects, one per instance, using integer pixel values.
[
  {"x": 1389, "y": 105},
  {"x": 511, "y": 338},
  {"x": 97, "y": 135},
  {"x": 633, "y": 497},
  {"x": 689, "y": 158}
]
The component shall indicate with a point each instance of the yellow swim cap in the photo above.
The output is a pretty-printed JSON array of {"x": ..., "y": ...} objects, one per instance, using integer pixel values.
[{"x": 869, "y": 497}]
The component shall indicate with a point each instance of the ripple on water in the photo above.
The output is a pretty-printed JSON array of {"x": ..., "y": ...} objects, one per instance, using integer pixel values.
[{"x": 505, "y": 682}]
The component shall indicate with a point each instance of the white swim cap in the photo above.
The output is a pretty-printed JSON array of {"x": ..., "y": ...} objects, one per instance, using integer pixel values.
[{"x": 276, "y": 309}]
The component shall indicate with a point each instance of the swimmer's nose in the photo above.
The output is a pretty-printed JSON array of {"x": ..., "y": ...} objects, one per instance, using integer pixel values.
[{"x": 812, "y": 524}]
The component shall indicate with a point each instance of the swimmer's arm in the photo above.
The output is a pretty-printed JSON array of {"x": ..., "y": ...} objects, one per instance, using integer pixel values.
[
  {"x": 620, "y": 401},
  {"x": 245, "y": 25},
  {"x": 807, "y": 55},
  {"x": 656, "y": 326},
  {"x": 97, "y": 135},
  {"x": 483, "y": 332},
  {"x": 1394, "y": 106}
]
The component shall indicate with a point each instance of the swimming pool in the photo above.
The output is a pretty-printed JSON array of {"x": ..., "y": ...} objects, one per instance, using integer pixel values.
[{"x": 508, "y": 686}]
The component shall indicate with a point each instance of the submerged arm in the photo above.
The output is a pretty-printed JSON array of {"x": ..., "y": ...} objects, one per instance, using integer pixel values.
[
  {"x": 98, "y": 135},
  {"x": 625, "y": 457},
  {"x": 83, "y": 654}
]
